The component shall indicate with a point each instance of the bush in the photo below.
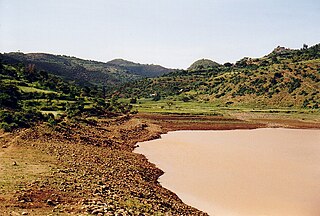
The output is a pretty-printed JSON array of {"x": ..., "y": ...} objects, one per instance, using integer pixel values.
[
  {"x": 157, "y": 97},
  {"x": 133, "y": 100},
  {"x": 8, "y": 127},
  {"x": 51, "y": 120},
  {"x": 19, "y": 119},
  {"x": 9, "y": 96},
  {"x": 293, "y": 85},
  {"x": 74, "y": 109},
  {"x": 185, "y": 99}
]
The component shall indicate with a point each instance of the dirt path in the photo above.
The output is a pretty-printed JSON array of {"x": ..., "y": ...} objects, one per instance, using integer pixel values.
[{"x": 5, "y": 146}]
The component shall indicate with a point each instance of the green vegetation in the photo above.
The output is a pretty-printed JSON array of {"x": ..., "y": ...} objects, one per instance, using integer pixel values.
[
  {"x": 142, "y": 70},
  {"x": 177, "y": 107},
  {"x": 283, "y": 79},
  {"x": 28, "y": 96},
  {"x": 86, "y": 72},
  {"x": 203, "y": 64},
  {"x": 216, "y": 109}
]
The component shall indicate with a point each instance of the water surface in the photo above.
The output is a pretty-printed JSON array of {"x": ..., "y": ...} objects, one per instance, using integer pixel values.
[{"x": 257, "y": 172}]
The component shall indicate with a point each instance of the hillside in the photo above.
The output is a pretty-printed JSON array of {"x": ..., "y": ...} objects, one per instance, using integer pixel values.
[
  {"x": 86, "y": 72},
  {"x": 283, "y": 78},
  {"x": 28, "y": 96},
  {"x": 143, "y": 70}
]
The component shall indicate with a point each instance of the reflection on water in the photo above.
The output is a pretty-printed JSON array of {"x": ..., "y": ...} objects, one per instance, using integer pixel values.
[{"x": 241, "y": 172}]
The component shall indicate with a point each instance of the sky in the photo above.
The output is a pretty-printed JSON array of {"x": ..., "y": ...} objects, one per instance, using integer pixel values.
[{"x": 172, "y": 33}]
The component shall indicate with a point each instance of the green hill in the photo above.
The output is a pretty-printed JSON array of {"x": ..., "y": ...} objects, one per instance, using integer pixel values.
[
  {"x": 143, "y": 70},
  {"x": 203, "y": 64},
  {"x": 86, "y": 72},
  {"x": 28, "y": 95},
  {"x": 283, "y": 78}
]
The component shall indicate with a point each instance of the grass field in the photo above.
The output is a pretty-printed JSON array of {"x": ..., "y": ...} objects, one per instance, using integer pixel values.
[
  {"x": 55, "y": 113},
  {"x": 32, "y": 89},
  {"x": 207, "y": 108},
  {"x": 178, "y": 107}
]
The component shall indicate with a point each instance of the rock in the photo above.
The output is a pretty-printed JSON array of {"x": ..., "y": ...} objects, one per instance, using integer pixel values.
[
  {"x": 4, "y": 146},
  {"x": 14, "y": 213},
  {"x": 97, "y": 211},
  {"x": 24, "y": 213},
  {"x": 14, "y": 163},
  {"x": 111, "y": 208},
  {"x": 50, "y": 202}
]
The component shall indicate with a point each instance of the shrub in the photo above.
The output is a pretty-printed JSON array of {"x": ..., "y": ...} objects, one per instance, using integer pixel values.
[
  {"x": 9, "y": 96},
  {"x": 19, "y": 119},
  {"x": 157, "y": 97},
  {"x": 133, "y": 100},
  {"x": 294, "y": 84}
]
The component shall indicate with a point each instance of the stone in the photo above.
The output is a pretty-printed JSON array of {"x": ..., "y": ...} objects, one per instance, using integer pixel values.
[
  {"x": 50, "y": 202},
  {"x": 97, "y": 211}
]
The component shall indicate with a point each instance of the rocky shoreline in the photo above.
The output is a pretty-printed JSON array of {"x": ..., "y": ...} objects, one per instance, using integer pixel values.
[{"x": 90, "y": 169}]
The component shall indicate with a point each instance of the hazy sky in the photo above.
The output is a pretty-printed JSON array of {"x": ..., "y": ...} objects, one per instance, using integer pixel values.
[{"x": 173, "y": 33}]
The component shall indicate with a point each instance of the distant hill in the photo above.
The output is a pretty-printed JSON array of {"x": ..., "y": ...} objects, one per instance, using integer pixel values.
[
  {"x": 203, "y": 64},
  {"x": 86, "y": 71},
  {"x": 144, "y": 70},
  {"x": 283, "y": 78}
]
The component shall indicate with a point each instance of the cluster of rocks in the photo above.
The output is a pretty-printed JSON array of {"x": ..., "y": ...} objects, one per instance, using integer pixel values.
[{"x": 97, "y": 207}]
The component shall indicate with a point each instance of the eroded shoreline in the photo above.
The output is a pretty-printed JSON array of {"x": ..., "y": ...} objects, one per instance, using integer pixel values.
[{"x": 92, "y": 169}]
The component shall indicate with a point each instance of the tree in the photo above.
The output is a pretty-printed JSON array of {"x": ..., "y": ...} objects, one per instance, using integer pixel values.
[
  {"x": 156, "y": 97},
  {"x": 104, "y": 92},
  {"x": 49, "y": 98},
  {"x": 228, "y": 64},
  {"x": 133, "y": 100},
  {"x": 9, "y": 96},
  {"x": 75, "y": 109}
]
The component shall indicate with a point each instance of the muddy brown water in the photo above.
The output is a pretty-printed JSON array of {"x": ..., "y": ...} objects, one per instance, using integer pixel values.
[{"x": 261, "y": 172}]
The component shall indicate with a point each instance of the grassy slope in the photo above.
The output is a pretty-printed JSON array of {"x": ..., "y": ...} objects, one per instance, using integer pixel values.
[
  {"x": 28, "y": 95},
  {"x": 288, "y": 79}
]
